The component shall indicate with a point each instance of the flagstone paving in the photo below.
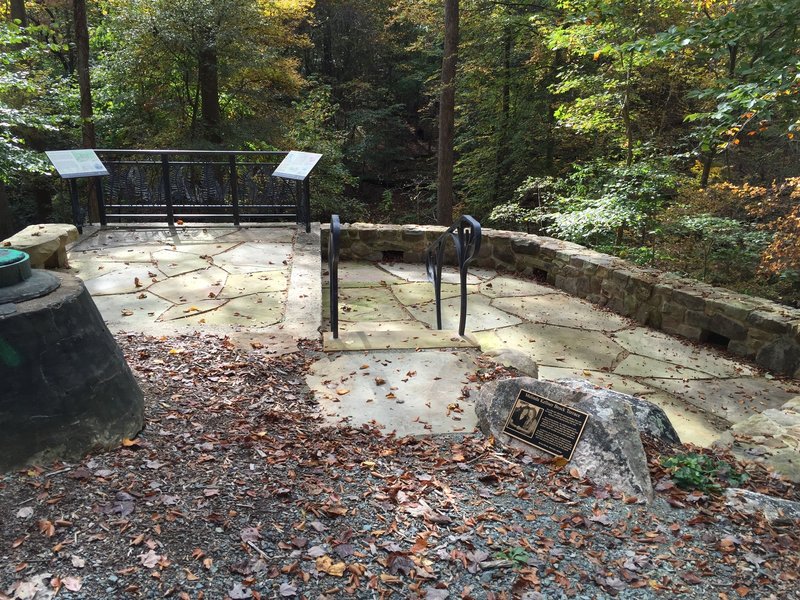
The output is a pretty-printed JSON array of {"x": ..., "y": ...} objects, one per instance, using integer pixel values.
[
  {"x": 222, "y": 280},
  {"x": 262, "y": 285},
  {"x": 702, "y": 390}
]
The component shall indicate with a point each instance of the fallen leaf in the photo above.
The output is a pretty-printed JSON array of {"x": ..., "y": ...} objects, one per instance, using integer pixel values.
[
  {"x": 239, "y": 592},
  {"x": 77, "y": 561},
  {"x": 149, "y": 559},
  {"x": 287, "y": 589},
  {"x": 250, "y": 534},
  {"x": 47, "y": 528},
  {"x": 325, "y": 564},
  {"x": 73, "y": 584}
]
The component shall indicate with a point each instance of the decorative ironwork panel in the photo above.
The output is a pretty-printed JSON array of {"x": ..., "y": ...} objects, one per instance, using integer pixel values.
[{"x": 199, "y": 185}]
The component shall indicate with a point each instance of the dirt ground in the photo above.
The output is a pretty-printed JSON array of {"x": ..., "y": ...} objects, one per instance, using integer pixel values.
[{"x": 235, "y": 490}]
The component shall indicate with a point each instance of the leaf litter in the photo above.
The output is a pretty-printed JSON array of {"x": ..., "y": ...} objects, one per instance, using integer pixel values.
[{"x": 236, "y": 489}]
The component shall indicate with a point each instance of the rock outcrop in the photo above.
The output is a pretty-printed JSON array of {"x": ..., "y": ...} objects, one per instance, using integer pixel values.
[{"x": 610, "y": 449}]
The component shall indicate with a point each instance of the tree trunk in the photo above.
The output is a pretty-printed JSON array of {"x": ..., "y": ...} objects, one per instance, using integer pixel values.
[
  {"x": 501, "y": 152},
  {"x": 6, "y": 218},
  {"x": 626, "y": 115},
  {"x": 447, "y": 109},
  {"x": 88, "y": 139},
  {"x": 208, "y": 78},
  {"x": 550, "y": 140},
  {"x": 708, "y": 160},
  {"x": 18, "y": 12}
]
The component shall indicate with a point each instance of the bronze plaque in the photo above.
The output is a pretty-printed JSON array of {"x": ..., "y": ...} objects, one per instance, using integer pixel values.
[{"x": 544, "y": 424}]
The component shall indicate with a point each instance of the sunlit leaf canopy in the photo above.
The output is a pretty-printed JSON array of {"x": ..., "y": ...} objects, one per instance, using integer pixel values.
[{"x": 609, "y": 123}]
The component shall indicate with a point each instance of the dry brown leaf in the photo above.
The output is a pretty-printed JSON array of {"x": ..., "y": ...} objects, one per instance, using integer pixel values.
[{"x": 325, "y": 564}]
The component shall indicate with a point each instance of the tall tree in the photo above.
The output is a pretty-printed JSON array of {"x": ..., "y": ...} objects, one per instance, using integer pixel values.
[
  {"x": 18, "y": 12},
  {"x": 447, "y": 112}
]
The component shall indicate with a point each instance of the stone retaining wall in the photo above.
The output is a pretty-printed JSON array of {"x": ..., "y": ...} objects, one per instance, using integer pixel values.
[{"x": 759, "y": 329}]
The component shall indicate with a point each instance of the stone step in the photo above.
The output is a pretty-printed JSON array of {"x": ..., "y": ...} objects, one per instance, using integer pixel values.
[{"x": 399, "y": 339}]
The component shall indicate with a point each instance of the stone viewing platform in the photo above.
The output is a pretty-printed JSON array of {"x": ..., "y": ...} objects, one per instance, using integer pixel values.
[
  {"x": 266, "y": 287},
  {"x": 757, "y": 329}
]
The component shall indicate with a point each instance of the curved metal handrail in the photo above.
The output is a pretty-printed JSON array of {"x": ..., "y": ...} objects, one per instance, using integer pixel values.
[
  {"x": 466, "y": 235},
  {"x": 333, "y": 273}
]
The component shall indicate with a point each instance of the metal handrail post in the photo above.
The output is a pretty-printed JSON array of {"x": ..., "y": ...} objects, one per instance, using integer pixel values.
[
  {"x": 466, "y": 236},
  {"x": 307, "y": 203},
  {"x": 101, "y": 204}
]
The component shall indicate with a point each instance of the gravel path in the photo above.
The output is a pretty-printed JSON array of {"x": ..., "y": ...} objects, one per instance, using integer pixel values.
[{"x": 235, "y": 490}]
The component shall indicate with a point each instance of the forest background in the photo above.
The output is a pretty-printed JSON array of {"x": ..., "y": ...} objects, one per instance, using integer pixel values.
[{"x": 662, "y": 131}]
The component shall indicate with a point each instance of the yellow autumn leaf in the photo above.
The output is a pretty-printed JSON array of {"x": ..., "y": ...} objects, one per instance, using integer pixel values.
[{"x": 325, "y": 564}]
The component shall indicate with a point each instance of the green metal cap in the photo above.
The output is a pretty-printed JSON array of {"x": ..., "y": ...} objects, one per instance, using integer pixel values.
[
  {"x": 9, "y": 256},
  {"x": 15, "y": 267}
]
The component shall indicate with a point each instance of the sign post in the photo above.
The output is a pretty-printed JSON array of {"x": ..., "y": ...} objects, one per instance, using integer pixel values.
[
  {"x": 72, "y": 164},
  {"x": 298, "y": 166}
]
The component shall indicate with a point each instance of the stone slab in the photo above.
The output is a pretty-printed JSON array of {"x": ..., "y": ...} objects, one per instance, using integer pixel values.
[
  {"x": 367, "y": 304},
  {"x": 131, "y": 312},
  {"x": 185, "y": 311},
  {"x": 206, "y": 283},
  {"x": 419, "y": 389},
  {"x": 550, "y": 345},
  {"x": 45, "y": 244},
  {"x": 643, "y": 366},
  {"x": 416, "y": 272},
  {"x": 505, "y": 286},
  {"x": 254, "y": 311},
  {"x": 123, "y": 281},
  {"x": 560, "y": 309},
  {"x": 172, "y": 262},
  {"x": 243, "y": 284},
  {"x": 395, "y": 339},
  {"x": 481, "y": 315},
  {"x": 253, "y": 257},
  {"x": 361, "y": 274},
  {"x": 654, "y": 344},
  {"x": 422, "y": 293},
  {"x": 732, "y": 400}
]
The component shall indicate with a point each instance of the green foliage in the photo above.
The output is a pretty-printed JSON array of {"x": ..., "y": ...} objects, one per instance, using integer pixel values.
[
  {"x": 720, "y": 241},
  {"x": 24, "y": 103},
  {"x": 517, "y": 555},
  {"x": 313, "y": 131},
  {"x": 693, "y": 471},
  {"x": 598, "y": 203}
]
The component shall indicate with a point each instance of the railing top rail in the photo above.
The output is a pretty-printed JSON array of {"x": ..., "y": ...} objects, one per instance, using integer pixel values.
[{"x": 201, "y": 152}]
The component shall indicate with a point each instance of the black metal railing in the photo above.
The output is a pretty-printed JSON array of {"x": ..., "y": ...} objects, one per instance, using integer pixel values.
[
  {"x": 466, "y": 235},
  {"x": 333, "y": 273},
  {"x": 198, "y": 185}
]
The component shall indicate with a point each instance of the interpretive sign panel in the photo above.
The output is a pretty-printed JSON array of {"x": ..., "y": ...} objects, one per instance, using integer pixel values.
[
  {"x": 297, "y": 165},
  {"x": 544, "y": 424},
  {"x": 76, "y": 163}
]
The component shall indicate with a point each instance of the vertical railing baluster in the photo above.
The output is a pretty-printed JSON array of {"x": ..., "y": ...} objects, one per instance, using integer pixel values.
[
  {"x": 101, "y": 203},
  {"x": 234, "y": 189},
  {"x": 333, "y": 273},
  {"x": 167, "y": 190}
]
